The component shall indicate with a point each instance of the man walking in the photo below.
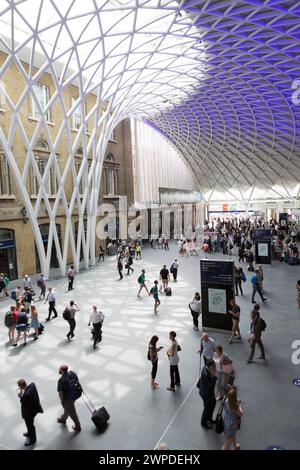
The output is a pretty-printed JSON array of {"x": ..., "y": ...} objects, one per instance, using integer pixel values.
[
  {"x": 141, "y": 281},
  {"x": 256, "y": 287},
  {"x": 42, "y": 285},
  {"x": 164, "y": 277},
  {"x": 97, "y": 319},
  {"x": 206, "y": 385},
  {"x": 258, "y": 325},
  {"x": 207, "y": 347},
  {"x": 30, "y": 407},
  {"x": 174, "y": 269},
  {"x": 69, "y": 315},
  {"x": 71, "y": 276},
  {"x": 51, "y": 300},
  {"x": 69, "y": 389}
]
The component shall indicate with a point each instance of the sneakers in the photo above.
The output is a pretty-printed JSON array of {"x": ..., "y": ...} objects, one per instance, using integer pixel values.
[
  {"x": 76, "y": 429},
  {"x": 265, "y": 300},
  {"x": 249, "y": 362},
  {"x": 260, "y": 357},
  {"x": 171, "y": 389},
  {"x": 61, "y": 421}
]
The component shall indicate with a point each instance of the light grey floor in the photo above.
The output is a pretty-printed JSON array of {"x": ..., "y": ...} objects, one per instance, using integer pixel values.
[{"x": 118, "y": 373}]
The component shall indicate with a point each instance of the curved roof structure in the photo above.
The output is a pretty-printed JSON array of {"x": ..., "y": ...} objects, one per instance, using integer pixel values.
[
  {"x": 216, "y": 77},
  {"x": 219, "y": 79}
]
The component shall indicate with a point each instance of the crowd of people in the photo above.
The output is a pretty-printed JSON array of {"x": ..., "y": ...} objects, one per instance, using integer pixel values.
[{"x": 217, "y": 381}]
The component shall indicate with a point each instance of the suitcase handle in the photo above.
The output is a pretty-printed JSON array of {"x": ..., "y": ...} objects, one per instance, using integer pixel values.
[{"x": 91, "y": 410}]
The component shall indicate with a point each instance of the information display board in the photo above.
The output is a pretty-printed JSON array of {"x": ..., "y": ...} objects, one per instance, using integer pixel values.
[
  {"x": 263, "y": 253},
  {"x": 217, "y": 289}
]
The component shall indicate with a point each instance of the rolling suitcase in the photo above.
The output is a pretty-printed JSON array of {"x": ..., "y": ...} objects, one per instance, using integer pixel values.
[
  {"x": 168, "y": 291},
  {"x": 99, "y": 416},
  {"x": 41, "y": 329}
]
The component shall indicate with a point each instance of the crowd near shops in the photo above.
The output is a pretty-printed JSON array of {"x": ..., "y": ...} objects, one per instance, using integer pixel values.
[{"x": 217, "y": 381}]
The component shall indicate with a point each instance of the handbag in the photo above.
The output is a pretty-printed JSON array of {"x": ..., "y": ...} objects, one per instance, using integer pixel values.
[
  {"x": 219, "y": 424},
  {"x": 178, "y": 347}
]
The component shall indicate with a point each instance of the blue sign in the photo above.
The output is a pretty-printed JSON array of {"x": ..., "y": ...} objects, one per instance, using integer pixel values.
[
  {"x": 7, "y": 244},
  {"x": 296, "y": 382}
]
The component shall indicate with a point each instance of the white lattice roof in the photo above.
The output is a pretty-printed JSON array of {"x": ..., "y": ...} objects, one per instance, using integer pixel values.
[
  {"x": 218, "y": 78},
  {"x": 214, "y": 76}
]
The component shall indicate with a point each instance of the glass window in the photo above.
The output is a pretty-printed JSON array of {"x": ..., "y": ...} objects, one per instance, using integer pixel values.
[
  {"x": 42, "y": 95},
  {"x": 77, "y": 114},
  {"x": 4, "y": 176},
  {"x": 81, "y": 185},
  {"x": 50, "y": 185}
]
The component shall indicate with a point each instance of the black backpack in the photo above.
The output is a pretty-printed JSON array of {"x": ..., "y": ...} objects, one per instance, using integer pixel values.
[
  {"x": 9, "y": 319},
  {"x": 66, "y": 314},
  {"x": 74, "y": 387},
  {"x": 263, "y": 324}
]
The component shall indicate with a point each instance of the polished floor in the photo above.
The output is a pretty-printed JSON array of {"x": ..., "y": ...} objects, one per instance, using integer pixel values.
[{"x": 117, "y": 374}]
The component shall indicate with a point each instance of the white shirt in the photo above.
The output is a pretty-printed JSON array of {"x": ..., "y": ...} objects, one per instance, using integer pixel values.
[
  {"x": 175, "y": 265},
  {"x": 196, "y": 305},
  {"x": 175, "y": 358},
  {"x": 208, "y": 348},
  {"x": 27, "y": 282},
  {"x": 97, "y": 316},
  {"x": 51, "y": 296}
]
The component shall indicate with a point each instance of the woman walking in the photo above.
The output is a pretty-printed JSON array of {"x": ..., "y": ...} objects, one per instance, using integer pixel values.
[
  {"x": 298, "y": 292},
  {"x": 154, "y": 292},
  {"x": 172, "y": 354},
  {"x": 231, "y": 415},
  {"x": 235, "y": 312},
  {"x": 22, "y": 326},
  {"x": 223, "y": 371},
  {"x": 195, "y": 308},
  {"x": 10, "y": 322},
  {"x": 153, "y": 357},
  {"x": 34, "y": 321}
]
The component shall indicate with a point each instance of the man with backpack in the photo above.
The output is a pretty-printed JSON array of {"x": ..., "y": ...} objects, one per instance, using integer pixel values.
[
  {"x": 69, "y": 390},
  {"x": 256, "y": 287},
  {"x": 141, "y": 281},
  {"x": 69, "y": 316},
  {"x": 258, "y": 325}
]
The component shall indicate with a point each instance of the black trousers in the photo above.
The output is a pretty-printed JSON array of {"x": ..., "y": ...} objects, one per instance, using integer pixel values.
[
  {"x": 209, "y": 406},
  {"x": 175, "y": 377},
  {"x": 129, "y": 269},
  {"x": 101, "y": 256},
  {"x": 29, "y": 421},
  {"x": 43, "y": 292},
  {"x": 195, "y": 316},
  {"x": 154, "y": 369},
  {"x": 120, "y": 273},
  {"x": 97, "y": 333},
  {"x": 238, "y": 284},
  {"x": 72, "y": 324},
  {"x": 52, "y": 309},
  {"x": 174, "y": 272},
  {"x": 71, "y": 280}
]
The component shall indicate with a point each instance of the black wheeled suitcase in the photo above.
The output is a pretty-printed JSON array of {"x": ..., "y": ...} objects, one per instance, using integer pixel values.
[
  {"x": 168, "y": 291},
  {"x": 41, "y": 329},
  {"x": 99, "y": 417}
]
